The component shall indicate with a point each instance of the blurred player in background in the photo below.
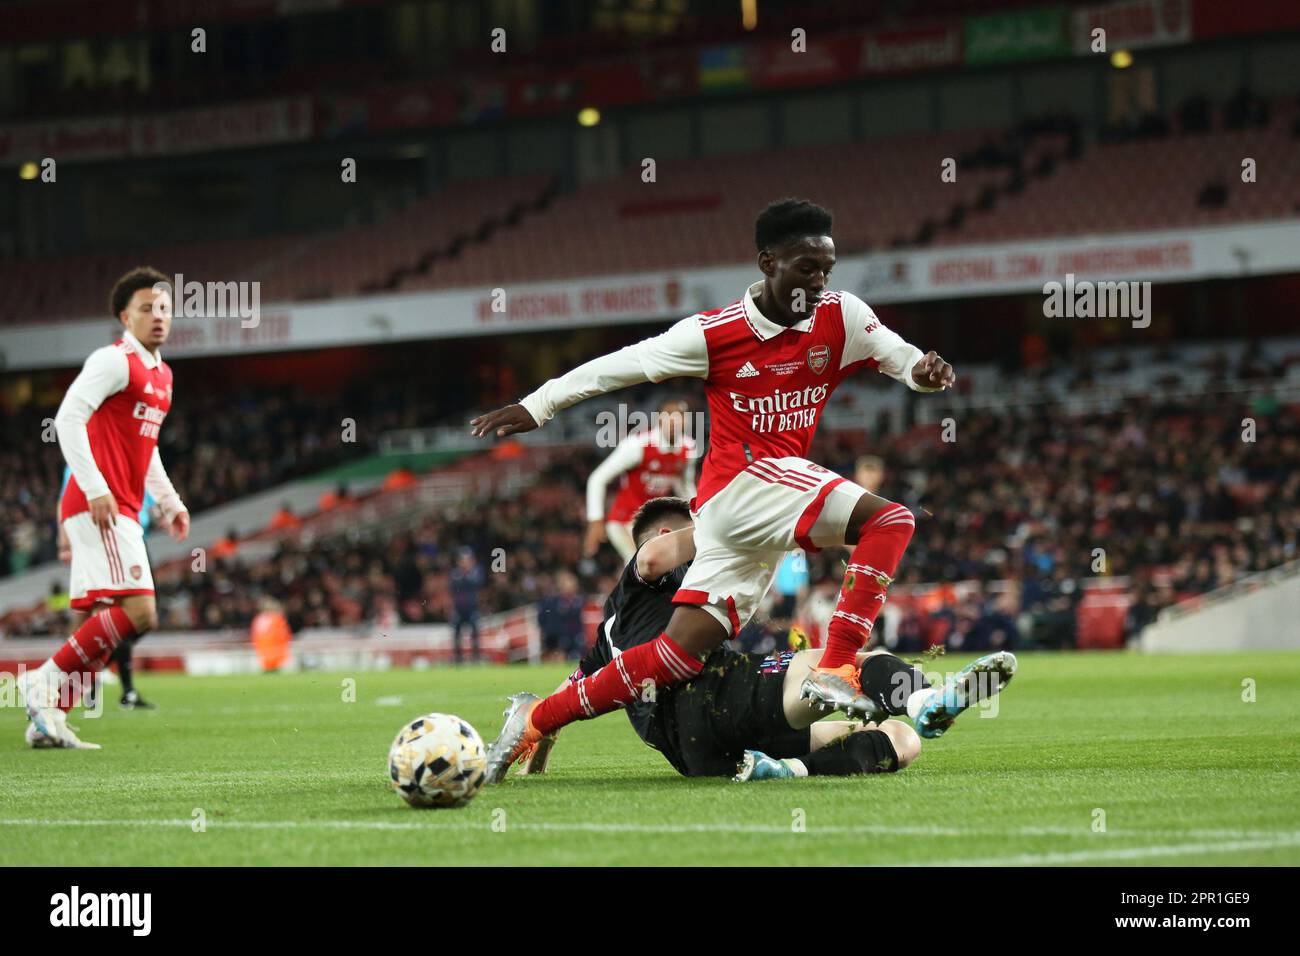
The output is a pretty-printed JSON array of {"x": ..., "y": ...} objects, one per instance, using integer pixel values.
[
  {"x": 869, "y": 472},
  {"x": 131, "y": 699},
  {"x": 466, "y": 580},
  {"x": 108, "y": 427},
  {"x": 651, "y": 463},
  {"x": 770, "y": 362}
]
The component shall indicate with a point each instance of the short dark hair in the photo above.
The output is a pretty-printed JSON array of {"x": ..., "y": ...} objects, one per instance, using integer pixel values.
[
  {"x": 788, "y": 219},
  {"x": 655, "y": 510},
  {"x": 141, "y": 277}
]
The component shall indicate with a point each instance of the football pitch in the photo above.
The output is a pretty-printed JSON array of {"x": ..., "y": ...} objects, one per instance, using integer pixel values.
[{"x": 1112, "y": 759}]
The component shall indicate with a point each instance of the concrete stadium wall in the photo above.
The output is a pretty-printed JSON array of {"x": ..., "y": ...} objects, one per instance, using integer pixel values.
[{"x": 1266, "y": 619}]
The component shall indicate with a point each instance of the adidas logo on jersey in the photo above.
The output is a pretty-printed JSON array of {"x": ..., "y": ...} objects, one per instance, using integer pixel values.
[
  {"x": 148, "y": 388},
  {"x": 747, "y": 371}
]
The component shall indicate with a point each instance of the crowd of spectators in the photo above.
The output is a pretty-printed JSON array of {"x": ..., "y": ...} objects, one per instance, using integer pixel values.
[
  {"x": 1027, "y": 505},
  {"x": 1179, "y": 498}
]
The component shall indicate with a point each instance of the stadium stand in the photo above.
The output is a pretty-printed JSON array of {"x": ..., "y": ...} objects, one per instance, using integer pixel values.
[
  {"x": 1042, "y": 178},
  {"x": 219, "y": 447},
  {"x": 1004, "y": 553},
  {"x": 1149, "y": 183},
  {"x": 343, "y": 262}
]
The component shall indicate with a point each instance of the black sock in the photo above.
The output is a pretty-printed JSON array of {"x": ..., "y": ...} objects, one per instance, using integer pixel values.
[
  {"x": 889, "y": 681},
  {"x": 122, "y": 658},
  {"x": 866, "y": 751}
]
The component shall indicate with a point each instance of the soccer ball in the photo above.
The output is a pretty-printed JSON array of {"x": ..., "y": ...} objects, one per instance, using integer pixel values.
[{"x": 437, "y": 761}]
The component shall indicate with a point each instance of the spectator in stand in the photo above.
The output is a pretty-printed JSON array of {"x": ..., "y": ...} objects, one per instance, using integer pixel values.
[
  {"x": 284, "y": 519},
  {"x": 466, "y": 581},
  {"x": 336, "y": 498},
  {"x": 401, "y": 478},
  {"x": 1146, "y": 607},
  {"x": 227, "y": 546},
  {"x": 560, "y": 618}
]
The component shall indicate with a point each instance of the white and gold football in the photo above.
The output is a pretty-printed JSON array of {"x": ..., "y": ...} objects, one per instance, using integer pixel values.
[{"x": 437, "y": 760}]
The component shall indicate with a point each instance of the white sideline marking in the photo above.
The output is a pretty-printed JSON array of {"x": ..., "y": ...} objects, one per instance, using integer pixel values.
[
  {"x": 1239, "y": 839},
  {"x": 1123, "y": 853}
]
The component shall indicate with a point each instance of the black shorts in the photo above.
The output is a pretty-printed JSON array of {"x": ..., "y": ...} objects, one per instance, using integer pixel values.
[{"x": 735, "y": 704}]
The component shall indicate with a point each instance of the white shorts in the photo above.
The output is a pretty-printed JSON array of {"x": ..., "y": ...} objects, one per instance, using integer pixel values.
[
  {"x": 741, "y": 534},
  {"x": 620, "y": 538},
  {"x": 108, "y": 564}
]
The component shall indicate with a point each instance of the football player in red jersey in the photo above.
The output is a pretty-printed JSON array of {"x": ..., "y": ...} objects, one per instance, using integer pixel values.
[
  {"x": 652, "y": 463},
  {"x": 108, "y": 427},
  {"x": 770, "y": 362}
]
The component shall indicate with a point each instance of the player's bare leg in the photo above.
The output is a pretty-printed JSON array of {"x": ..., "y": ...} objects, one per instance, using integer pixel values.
[
  {"x": 838, "y": 748},
  {"x": 878, "y": 531},
  {"x": 91, "y": 691},
  {"x": 142, "y": 609},
  {"x": 844, "y": 747},
  {"x": 674, "y": 657}
]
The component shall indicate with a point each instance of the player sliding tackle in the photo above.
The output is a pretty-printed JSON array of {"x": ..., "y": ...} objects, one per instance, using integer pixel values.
[
  {"x": 770, "y": 363},
  {"x": 744, "y": 713}
]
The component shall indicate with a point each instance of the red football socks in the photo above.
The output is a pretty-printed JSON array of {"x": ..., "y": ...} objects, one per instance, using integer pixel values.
[
  {"x": 871, "y": 568},
  {"x": 660, "y": 663},
  {"x": 87, "y": 651}
]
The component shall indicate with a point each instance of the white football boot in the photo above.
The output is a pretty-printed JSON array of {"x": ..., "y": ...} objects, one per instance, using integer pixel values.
[
  {"x": 41, "y": 700},
  {"x": 39, "y": 741}
]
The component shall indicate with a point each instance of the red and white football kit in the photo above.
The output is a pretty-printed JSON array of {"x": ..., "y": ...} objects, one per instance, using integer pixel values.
[
  {"x": 108, "y": 427},
  {"x": 651, "y": 467},
  {"x": 766, "y": 386}
]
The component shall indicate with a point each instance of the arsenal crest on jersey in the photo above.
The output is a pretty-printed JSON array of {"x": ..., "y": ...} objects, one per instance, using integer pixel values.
[
  {"x": 136, "y": 571},
  {"x": 819, "y": 356}
]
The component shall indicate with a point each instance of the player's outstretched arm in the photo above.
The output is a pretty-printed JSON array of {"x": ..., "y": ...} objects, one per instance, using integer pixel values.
[
  {"x": 867, "y": 338},
  {"x": 681, "y": 351},
  {"x": 510, "y": 420}
]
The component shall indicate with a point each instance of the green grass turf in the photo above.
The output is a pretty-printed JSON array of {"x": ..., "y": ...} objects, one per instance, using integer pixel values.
[{"x": 288, "y": 773}]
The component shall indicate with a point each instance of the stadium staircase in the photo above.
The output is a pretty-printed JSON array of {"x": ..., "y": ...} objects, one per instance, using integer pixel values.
[{"x": 1259, "y": 612}]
